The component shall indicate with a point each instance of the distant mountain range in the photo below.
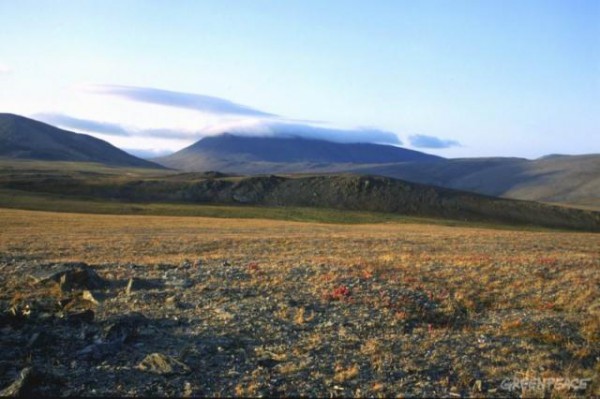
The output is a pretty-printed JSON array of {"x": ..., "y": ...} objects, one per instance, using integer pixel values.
[
  {"x": 564, "y": 179},
  {"x": 26, "y": 138},
  {"x": 571, "y": 180},
  {"x": 240, "y": 154}
]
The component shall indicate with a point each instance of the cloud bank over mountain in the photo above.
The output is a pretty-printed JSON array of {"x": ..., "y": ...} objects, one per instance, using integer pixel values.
[
  {"x": 290, "y": 129},
  {"x": 66, "y": 121},
  {"x": 255, "y": 127},
  {"x": 109, "y": 128},
  {"x": 424, "y": 141},
  {"x": 220, "y": 116},
  {"x": 214, "y": 115}
]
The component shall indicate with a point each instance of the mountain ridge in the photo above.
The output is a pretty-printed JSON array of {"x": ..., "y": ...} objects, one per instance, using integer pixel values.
[
  {"x": 25, "y": 138},
  {"x": 573, "y": 180},
  {"x": 219, "y": 151},
  {"x": 568, "y": 179}
]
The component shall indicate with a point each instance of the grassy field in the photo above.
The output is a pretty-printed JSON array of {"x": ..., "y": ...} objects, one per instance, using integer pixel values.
[
  {"x": 375, "y": 309},
  {"x": 16, "y": 199}
]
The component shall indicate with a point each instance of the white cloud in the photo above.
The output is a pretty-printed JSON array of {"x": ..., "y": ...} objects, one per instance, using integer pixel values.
[
  {"x": 151, "y": 126},
  {"x": 261, "y": 127},
  {"x": 110, "y": 128},
  {"x": 176, "y": 99},
  {"x": 424, "y": 141},
  {"x": 156, "y": 145},
  {"x": 244, "y": 127}
]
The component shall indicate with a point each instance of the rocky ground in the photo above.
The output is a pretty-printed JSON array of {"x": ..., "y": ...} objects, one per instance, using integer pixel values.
[
  {"x": 215, "y": 330},
  {"x": 365, "y": 315}
]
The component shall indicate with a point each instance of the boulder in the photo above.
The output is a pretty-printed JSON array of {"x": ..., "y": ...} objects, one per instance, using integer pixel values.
[{"x": 70, "y": 276}]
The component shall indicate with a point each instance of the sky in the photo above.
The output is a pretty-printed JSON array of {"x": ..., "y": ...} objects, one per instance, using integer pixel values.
[{"x": 452, "y": 78}]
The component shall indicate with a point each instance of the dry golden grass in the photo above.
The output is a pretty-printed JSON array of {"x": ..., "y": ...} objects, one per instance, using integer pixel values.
[
  {"x": 458, "y": 304},
  {"x": 155, "y": 239}
]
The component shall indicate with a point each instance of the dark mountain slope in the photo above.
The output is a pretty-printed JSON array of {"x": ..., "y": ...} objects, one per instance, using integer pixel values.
[
  {"x": 230, "y": 153},
  {"x": 573, "y": 180},
  {"x": 563, "y": 179},
  {"x": 344, "y": 192},
  {"x": 26, "y": 138},
  {"x": 382, "y": 194}
]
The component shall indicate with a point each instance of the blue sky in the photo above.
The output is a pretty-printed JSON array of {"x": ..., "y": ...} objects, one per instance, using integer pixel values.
[{"x": 454, "y": 78}]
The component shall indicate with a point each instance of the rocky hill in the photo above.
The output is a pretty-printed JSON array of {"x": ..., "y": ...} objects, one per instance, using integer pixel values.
[{"x": 344, "y": 192}]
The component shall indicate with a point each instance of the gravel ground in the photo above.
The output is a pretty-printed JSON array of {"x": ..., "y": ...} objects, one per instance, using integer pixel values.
[{"x": 233, "y": 328}]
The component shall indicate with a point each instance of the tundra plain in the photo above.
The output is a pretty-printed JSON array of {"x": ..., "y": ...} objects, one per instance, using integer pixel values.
[{"x": 251, "y": 307}]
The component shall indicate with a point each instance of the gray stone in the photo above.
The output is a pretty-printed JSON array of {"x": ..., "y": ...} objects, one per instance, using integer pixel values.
[
  {"x": 70, "y": 276},
  {"x": 158, "y": 363}
]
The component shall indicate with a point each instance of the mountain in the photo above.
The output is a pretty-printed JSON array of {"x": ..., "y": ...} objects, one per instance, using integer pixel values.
[
  {"x": 564, "y": 179},
  {"x": 26, "y": 138},
  {"x": 572, "y": 180},
  {"x": 238, "y": 154}
]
